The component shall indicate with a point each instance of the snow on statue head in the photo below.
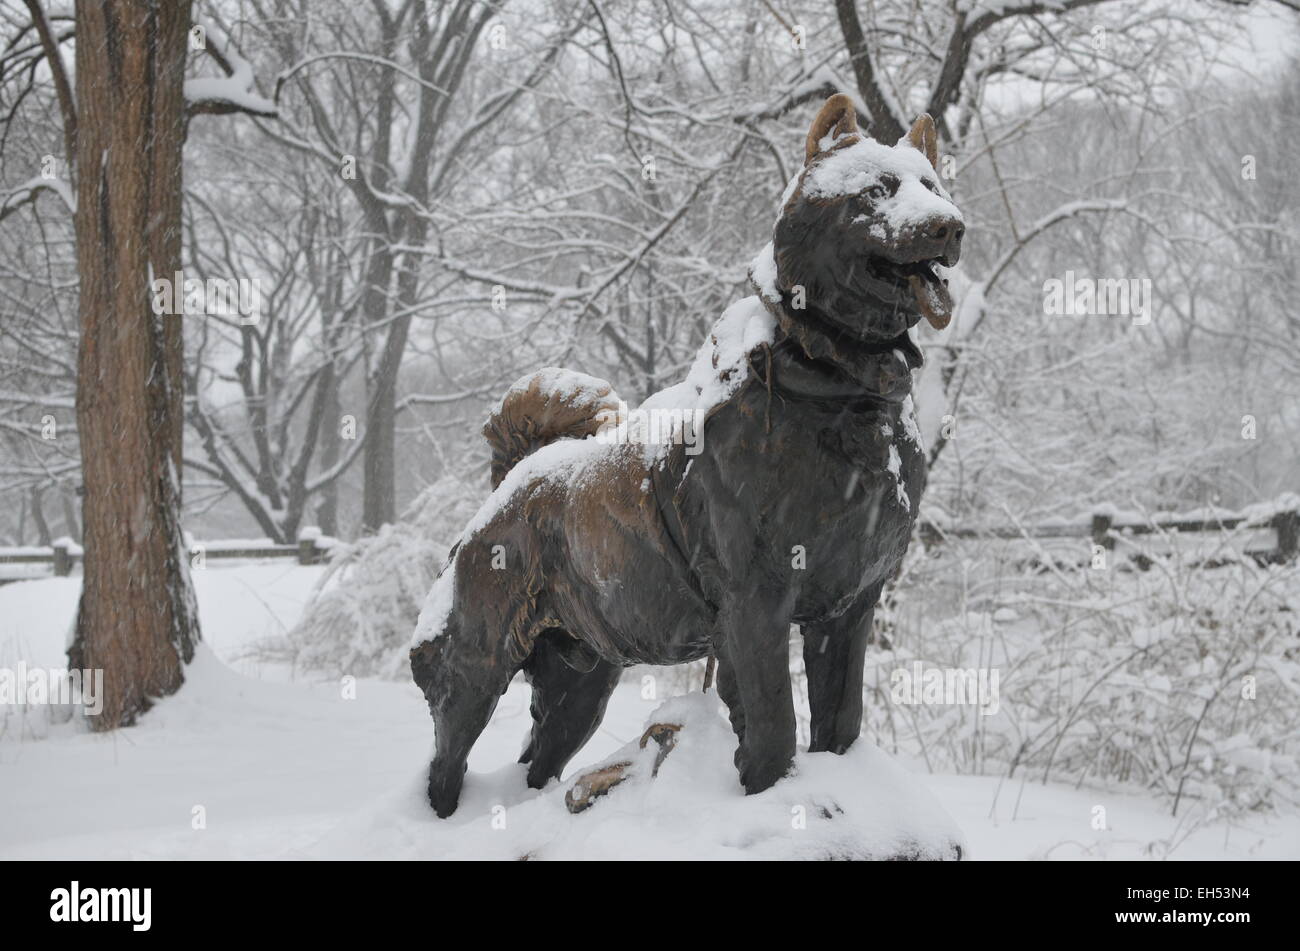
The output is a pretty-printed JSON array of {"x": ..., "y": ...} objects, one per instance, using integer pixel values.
[{"x": 854, "y": 255}]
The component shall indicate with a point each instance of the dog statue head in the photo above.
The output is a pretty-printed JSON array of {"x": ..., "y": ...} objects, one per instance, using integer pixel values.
[{"x": 852, "y": 262}]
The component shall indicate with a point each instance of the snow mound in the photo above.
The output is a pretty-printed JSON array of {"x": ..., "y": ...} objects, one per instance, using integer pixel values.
[{"x": 860, "y": 805}]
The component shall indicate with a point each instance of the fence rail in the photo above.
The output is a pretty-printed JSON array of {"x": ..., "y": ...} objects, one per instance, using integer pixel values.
[
  {"x": 312, "y": 548},
  {"x": 1104, "y": 530}
]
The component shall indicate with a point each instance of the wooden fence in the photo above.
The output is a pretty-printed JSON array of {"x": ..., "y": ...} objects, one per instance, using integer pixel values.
[
  {"x": 1104, "y": 530},
  {"x": 311, "y": 549}
]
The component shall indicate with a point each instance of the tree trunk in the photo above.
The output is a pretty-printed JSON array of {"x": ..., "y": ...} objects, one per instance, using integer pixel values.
[
  {"x": 43, "y": 536},
  {"x": 163, "y": 231},
  {"x": 331, "y": 449},
  {"x": 379, "y": 502},
  {"x": 137, "y": 619}
]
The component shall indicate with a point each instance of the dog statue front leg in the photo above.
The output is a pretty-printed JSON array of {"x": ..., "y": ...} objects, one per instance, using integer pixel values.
[
  {"x": 755, "y": 646},
  {"x": 834, "y": 652}
]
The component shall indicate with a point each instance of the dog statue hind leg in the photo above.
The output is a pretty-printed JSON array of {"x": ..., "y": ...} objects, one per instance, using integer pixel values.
[
  {"x": 482, "y": 621},
  {"x": 463, "y": 672},
  {"x": 571, "y": 688}
]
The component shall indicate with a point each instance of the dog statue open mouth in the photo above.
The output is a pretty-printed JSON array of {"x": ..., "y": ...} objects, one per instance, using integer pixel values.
[{"x": 604, "y": 545}]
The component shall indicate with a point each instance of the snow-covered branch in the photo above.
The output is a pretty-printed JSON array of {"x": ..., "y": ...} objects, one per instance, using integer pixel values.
[
  {"x": 30, "y": 190},
  {"x": 234, "y": 92}
]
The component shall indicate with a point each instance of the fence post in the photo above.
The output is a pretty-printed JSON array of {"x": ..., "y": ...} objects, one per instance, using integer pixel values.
[
  {"x": 308, "y": 553},
  {"x": 1101, "y": 531},
  {"x": 1288, "y": 533},
  {"x": 62, "y": 558}
]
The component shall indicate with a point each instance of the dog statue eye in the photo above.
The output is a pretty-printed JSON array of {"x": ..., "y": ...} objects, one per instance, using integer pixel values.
[
  {"x": 887, "y": 185},
  {"x": 929, "y": 183}
]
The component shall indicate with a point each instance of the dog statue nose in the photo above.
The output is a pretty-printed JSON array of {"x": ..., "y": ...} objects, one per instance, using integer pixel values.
[{"x": 945, "y": 234}]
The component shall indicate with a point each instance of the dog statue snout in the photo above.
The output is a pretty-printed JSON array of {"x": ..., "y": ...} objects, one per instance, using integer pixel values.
[{"x": 943, "y": 235}]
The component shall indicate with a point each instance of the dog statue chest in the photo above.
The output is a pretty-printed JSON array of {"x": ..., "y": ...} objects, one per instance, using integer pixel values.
[
  {"x": 837, "y": 480},
  {"x": 864, "y": 475},
  {"x": 857, "y": 521},
  {"x": 866, "y": 447}
]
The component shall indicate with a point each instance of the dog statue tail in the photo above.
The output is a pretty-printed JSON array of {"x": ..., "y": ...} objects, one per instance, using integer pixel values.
[{"x": 540, "y": 408}]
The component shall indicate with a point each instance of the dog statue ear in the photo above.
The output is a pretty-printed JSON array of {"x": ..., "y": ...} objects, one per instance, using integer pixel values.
[
  {"x": 924, "y": 137},
  {"x": 837, "y": 115}
]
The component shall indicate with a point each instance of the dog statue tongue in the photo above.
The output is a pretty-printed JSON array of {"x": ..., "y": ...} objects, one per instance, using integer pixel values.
[{"x": 932, "y": 298}]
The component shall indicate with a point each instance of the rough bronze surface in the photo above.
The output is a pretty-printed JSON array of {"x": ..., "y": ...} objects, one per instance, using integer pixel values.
[{"x": 798, "y": 510}]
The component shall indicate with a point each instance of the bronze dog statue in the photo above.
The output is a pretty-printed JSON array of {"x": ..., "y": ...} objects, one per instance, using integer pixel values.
[{"x": 614, "y": 538}]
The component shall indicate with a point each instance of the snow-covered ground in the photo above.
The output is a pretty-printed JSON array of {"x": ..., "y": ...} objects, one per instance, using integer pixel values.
[{"x": 245, "y": 763}]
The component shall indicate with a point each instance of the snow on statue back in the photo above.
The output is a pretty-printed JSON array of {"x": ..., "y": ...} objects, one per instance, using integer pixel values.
[
  {"x": 554, "y": 402},
  {"x": 776, "y": 484},
  {"x": 860, "y": 805}
]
